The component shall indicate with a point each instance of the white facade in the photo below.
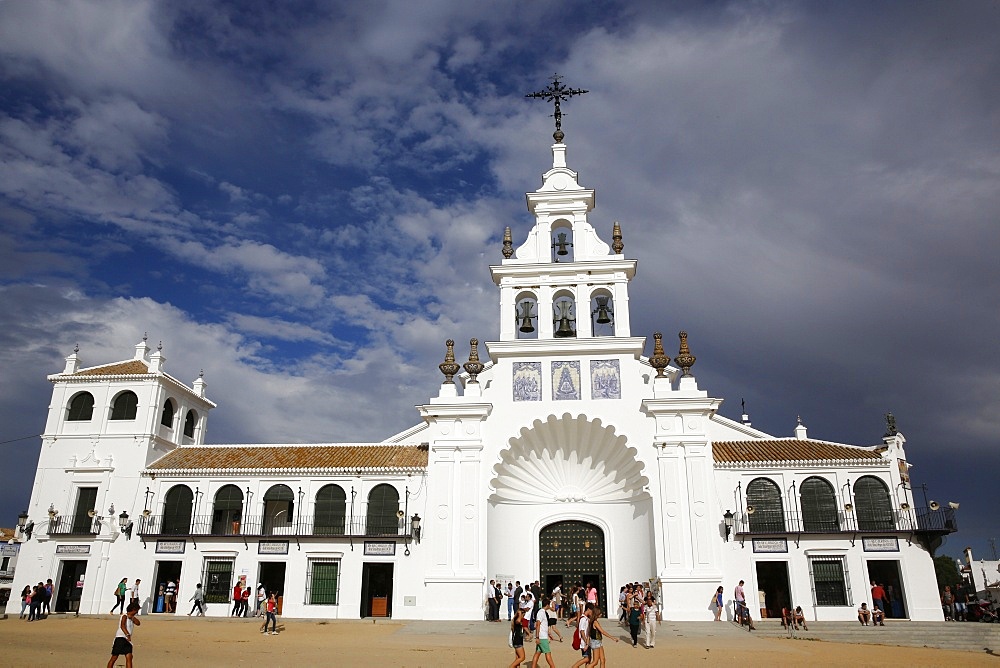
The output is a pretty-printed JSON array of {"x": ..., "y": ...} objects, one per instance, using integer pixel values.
[{"x": 566, "y": 456}]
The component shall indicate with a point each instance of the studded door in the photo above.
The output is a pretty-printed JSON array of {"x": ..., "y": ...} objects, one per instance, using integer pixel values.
[{"x": 571, "y": 553}]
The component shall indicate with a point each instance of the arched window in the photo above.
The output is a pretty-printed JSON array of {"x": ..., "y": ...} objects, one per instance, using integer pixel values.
[
  {"x": 81, "y": 408},
  {"x": 526, "y": 316},
  {"x": 227, "y": 514},
  {"x": 331, "y": 511},
  {"x": 768, "y": 515},
  {"x": 564, "y": 315},
  {"x": 872, "y": 505},
  {"x": 124, "y": 406},
  {"x": 189, "y": 421},
  {"x": 279, "y": 508},
  {"x": 562, "y": 241},
  {"x": 383, "y": 504},
  {"x": 177, "y": 506},
  {"x": 602, "y": 313},
  {"x": 819, "y": 506},
  {"x": 167, "y": 417}
]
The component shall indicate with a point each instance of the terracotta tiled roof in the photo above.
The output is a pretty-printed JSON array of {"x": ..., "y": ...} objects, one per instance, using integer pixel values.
[
  {"x": 292, "y": 457},
  {"x": 6, "y": 534},
  {"x": 787, "y": 450},
  {"x": 129, "y": 368}
]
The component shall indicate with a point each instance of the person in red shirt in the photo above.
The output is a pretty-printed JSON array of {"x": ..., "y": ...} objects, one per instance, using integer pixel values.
[
  {"x": 272, "y": 608},
  {"x": 878, "y": 596},
  {"x": 237, "y": 600}
]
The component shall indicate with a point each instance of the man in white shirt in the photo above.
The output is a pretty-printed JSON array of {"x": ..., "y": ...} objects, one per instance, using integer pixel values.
[
  {"x": 743, "y": 612},
  {"x": 261, "y": 600},
  {"x": 135, "y": 594},
  {"x": 542, "y": 636},
  {"x": 527, "y": 603}
]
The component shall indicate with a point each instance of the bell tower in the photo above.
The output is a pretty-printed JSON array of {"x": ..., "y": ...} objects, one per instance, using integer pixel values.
[{"x": 564, "y": 281}]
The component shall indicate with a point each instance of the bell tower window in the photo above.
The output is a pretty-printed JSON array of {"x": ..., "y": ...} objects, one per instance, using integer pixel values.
[
  {"x": 167, "y": 417},
  {"x": 189, "y": 422},
  {"x": 81, "y": 408},
  {"x": 526, "y": 316},
  {"x": 562, "y": 241},
  {"x": 602, "y": 313},
  {"x": 564, "y": 316}
]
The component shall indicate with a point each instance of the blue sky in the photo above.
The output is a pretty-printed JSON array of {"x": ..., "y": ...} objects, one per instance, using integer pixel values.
[{"x": 302, "y": 199}]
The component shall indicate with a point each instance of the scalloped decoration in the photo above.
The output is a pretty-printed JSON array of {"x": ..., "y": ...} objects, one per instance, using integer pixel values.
[{"x": 568, "y": 459}]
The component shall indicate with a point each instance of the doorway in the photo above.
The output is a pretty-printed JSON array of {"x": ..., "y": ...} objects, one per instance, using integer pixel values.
[
  {"x": 772, "y": 580},
  {"x": 271, "y": 574},
  {"x": 572, "y": 552},
  {"x": 71, "y": 576},
  {"x": 376, "y": 590},
  {"x": 886, "y": 573},
  {"x": 166, "y": 571}
]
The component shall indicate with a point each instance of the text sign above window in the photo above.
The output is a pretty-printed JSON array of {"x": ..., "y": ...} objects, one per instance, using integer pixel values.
[
  {"x": 72, "y": 549},
  {"x": 880, "y": 544},
  {"x": 272, "y": 547},
  {"x": 170, "y": 546},
  {"x": 770, "y": 545},
  {"x": 379, "y": 548}
]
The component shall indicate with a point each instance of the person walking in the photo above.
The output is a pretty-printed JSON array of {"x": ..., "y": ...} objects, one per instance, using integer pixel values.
[
  {"x": 35, "y": 602},
  {"x": 649, "y": 621},
  {"x": 135, "y": 592},
  {"x": 199, "y": 601},
  {"x": 717, "y": 601},
  {"x": 743, "y": 612},
  {"x": 634, "y": 619},
  {"x": 245, "y": 602},
  {"x": 597, "y": 636},
  {"x": 517, "y": 639},
  {"x": 237, "y": 600},
  {"x": 47, "y": 601},
  {"x": 584, "y": 629},
  {"x": 552, "y": 615},
  {"x": 123, "y": 636},
  {"x": 261, "y": 601},
  {"x": 120, "y": 592},
  {"x": 270, "y": 616}
]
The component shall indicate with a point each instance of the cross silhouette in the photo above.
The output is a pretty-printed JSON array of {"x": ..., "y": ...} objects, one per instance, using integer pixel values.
[{"x": 557, "y": 92}]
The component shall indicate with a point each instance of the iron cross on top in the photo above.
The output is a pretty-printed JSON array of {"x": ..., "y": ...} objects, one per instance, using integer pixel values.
[{"x": 557, "y": 92}]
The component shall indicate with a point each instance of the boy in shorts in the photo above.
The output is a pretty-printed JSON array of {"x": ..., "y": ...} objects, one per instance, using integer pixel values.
[
  {"x": 123, "y": 636},
  {"x": 542, "y": 636}
]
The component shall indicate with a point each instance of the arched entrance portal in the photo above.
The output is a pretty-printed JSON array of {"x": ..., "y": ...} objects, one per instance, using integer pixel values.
[{"x": 572, "y": 552}]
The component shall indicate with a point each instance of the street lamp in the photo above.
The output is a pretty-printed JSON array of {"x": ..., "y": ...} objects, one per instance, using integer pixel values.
[
  {"x": 728, "y": 519},
  {"x": 22, "y": 524},
  {"x": 125, "y": 524},
  {"x": 415, "y": 527}
]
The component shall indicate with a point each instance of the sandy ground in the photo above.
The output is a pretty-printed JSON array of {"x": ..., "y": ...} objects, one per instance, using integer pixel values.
[{"x": 68, "y": 641}]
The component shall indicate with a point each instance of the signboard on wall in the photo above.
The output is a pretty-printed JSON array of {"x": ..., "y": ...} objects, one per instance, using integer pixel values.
[
  {"x": 880, "y": 544},
  {"x": 379, "y": 548},
  {"x": 170, "y": 546},
  {"x": 770, "y": 545},
  {"x": 272, "y": 547},
  {"x": 72, "y": 549}
]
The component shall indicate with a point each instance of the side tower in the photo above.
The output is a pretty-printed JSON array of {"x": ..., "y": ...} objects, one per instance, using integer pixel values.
[{"x": 105, "y": 424}]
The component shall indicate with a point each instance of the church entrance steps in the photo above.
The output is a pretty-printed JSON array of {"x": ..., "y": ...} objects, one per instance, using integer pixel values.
[{"x": 966, "y": 636}]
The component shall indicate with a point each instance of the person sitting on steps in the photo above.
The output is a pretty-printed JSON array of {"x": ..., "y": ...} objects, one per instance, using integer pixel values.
[{"x": 864, "y": 614}]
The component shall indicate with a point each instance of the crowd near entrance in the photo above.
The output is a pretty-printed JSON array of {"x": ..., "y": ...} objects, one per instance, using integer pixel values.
[
  {"x": 772, "y": 579},
  {"x": 271, "y": 574},
  {"x": 886, "y": 573},
  {"x": 166, "y": 572},
  {"x": 573, "y": 552}
]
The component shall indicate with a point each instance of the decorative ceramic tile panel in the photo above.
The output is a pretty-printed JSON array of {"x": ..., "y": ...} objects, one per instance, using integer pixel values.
[
  {"x": 605, "y": 379},
  {"x": 527, "y": 381},
  {"x": 565, "y": 380}
]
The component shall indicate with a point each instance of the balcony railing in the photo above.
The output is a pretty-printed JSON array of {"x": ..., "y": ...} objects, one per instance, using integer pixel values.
[
  {"x": 7, "y": 575},
  {"x": 919, "y": 520},
  {"x": 207, "y": 525},
  {"x": 74, "y": 526}
]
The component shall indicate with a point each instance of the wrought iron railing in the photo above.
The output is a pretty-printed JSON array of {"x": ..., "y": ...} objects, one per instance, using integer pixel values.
[
  {"x": 921, "y": 520},
  {"x": 208, "y": 525},
  {"x": 74, "y": 526}
]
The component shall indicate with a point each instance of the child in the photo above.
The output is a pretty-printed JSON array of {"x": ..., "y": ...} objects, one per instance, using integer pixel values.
[
  {"x": 123, "y": 636},
  {"x": 878, "y": 617},
  {"x": 800, "y": 617}
]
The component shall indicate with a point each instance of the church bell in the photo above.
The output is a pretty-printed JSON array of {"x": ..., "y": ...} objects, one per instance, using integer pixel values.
[
  {"x": 603, "y": 311},
  {"x": 560, "y": 244},
  {"x": 565, "y": 320},
  {"x": 526, "y": 318}
]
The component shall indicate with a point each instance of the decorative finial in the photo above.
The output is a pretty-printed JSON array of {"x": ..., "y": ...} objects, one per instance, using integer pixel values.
[
  {"x": 508, "y": 243},
  {"x": 201, "y": 374},
  {"x": 474, "y": 367},
  {"x": 145, "y": 335},
  {"x": 556, "y": 92},
  {"x": 798, "y": 419},
  {"x": 616, "y": 236},
  {"x": 659, "y": 359},
  {"x": 76, "y": 348},
  {"x": 890, "y": 425},
  {"x": 449, "y": 367},
  {"x": 685, "y": 360},
  {"x": 159, "y": 346}
]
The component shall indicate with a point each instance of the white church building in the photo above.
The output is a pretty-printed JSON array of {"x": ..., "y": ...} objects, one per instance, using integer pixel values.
[{"x": 595, "y": 462}]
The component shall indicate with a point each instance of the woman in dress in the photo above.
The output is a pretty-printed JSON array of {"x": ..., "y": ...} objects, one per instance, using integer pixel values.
[{"x": 717, "y": 599}]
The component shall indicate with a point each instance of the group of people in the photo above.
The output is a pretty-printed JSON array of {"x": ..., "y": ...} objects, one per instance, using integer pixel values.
[
  {"x": 36, "y": 600},
  {"x": 638, "y": 609},
  {"x": 266, "y": 607},
  {"x": 588, "y": 636}
]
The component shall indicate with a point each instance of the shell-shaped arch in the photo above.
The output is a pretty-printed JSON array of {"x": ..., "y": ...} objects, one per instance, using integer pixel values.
[{"x": 568, "y": 459}]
